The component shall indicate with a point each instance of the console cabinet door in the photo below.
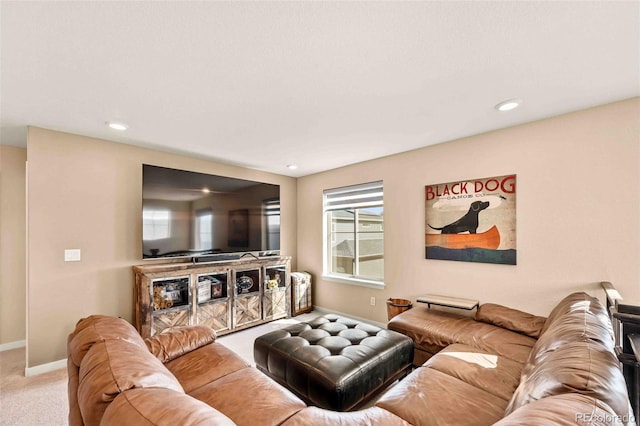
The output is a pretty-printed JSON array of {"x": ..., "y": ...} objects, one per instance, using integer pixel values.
[
  {"x": 168, "y": 320},
  {"x": 275, "y": 300},
  {"x": 213, "y": 303},
  {"x": 171, "y": 303},
  {"x": 274, "y": 303},
  {"x": 247, "y": 308}
]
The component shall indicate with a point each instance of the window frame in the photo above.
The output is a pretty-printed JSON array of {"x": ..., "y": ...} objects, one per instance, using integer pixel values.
[{"x": 355, "y": 197}]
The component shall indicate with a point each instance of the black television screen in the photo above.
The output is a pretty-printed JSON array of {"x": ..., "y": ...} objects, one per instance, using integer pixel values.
[{"x": 189, "y": 214}]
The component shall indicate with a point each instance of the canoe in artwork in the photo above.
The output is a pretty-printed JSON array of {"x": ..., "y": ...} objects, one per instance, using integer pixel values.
[{"x": 486, "y": 240}]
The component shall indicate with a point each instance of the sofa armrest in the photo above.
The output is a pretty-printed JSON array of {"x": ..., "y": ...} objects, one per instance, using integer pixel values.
[
  {"x": 511, "y": 319},
  {"x": 158, "y": 406},
  {"x": 177, "y": 341}
]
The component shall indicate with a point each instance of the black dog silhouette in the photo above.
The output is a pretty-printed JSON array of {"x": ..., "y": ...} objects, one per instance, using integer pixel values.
[{"x": 467, "y": 223}]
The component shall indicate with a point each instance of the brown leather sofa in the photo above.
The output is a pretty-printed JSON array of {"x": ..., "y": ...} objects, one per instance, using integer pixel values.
[{"x": 482, "y": 371}]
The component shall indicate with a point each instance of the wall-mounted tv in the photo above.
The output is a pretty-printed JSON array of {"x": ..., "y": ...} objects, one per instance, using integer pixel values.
[{"x": 189, "y": 214}]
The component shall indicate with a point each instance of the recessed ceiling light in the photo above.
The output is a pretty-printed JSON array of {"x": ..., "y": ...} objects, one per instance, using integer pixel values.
[
  {"x": 292, "y": 166},
  {"x": 117, "y": 125},
  {"x": 508, "y": 105}
]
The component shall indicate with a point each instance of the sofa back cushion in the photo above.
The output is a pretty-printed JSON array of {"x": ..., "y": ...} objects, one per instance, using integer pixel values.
[
  {"x": 577, "y": 304},
  {"x": 114, "y": 366},
  {"x": 577, "y": 317},
  {"x": 511, "y": 319},
  {"x": 574, "y": 354},
  {"x": 577, "y": 367}
]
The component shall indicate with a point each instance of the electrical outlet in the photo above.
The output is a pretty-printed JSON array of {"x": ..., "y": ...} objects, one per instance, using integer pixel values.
[
  {"x": 373, "y": 301},
  {"x": 72, "y": 255}
]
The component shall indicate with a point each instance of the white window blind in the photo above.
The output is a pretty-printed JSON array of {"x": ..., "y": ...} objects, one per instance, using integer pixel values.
[{"x": 357, "y": 196}]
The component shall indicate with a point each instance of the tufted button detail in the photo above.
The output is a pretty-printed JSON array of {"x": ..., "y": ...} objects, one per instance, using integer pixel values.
[
  {"x": 353, "y": 335},
  {"x": 372, "y": 330},
  {"x": 290, "y": 344},
  {"x": 348, "y": 322},
  {"x": 317, "y": 322},
  {"x": 332, "y": 317},
  {"x": 334, "y": 344},
  {"x": 312, "y": 355},
  {"x": 333, "y": 328},
  {"x": 314, "y": 334},
  {"x": 296, "y": 329}
]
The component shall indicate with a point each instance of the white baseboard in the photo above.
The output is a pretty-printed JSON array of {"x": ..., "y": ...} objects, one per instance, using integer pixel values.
[
  {"x": 45, "y": 368},
  {"x": 39, "y": 369},
  {"x": 331, "y": 311},
  {"x": 13, "y": 345}
]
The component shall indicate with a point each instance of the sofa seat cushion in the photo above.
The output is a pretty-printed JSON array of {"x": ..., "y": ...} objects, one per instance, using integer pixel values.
[
  {"x": 114, "y": 366},
  {"x": 248, "y": 397},
  {"x": 423, "y": 325},
  {"x": 494, "y": 374},
  {"x": 430, "y": 397},
  {"x": 204, "y": 365},
  {"x": 372, "y": 416},
  {"x": 568, "y": 409},
  {"x": 157, "y": 406},
  {"x": 429, "y": 328}
]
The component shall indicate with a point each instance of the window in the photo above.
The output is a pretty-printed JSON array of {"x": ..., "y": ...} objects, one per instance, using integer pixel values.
[
  {"x": 271, "y": 210},
  {"x": 156, "y": 224},
  {"x": 204, "y": 231},
  {"x": 354, "y": 233}
]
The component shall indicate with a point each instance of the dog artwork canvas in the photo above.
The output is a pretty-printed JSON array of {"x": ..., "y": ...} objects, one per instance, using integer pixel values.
[{"x": 472, "y": 220}]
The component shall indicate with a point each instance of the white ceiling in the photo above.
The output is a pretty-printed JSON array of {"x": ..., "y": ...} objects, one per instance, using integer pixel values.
[{"x": 318, "y": 84}]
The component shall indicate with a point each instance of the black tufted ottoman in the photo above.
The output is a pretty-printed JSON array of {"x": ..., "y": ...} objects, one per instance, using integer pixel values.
[{"x": 334, "y": 362}]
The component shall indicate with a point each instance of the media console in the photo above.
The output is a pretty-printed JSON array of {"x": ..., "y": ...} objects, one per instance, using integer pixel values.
[{"x": 225, "y": 295}]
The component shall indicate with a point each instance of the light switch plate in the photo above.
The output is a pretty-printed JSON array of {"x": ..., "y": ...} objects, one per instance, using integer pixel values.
[{"x": 72, "y": 255}]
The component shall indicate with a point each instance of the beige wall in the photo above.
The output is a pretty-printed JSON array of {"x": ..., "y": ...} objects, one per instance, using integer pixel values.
[
  {"x": 578, "y": 214},
  {"x": 86, "y": 193},
  {"x": 12, "y": 244},
  {"x": 578, "y": 221}
]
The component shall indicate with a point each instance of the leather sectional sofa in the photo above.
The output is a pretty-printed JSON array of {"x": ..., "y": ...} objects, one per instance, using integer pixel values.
[{"x": 504, "y": 367}]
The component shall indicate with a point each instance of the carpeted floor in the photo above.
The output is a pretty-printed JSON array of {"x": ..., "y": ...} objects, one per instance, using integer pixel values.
[
  {"x": 30, "y": 401},
  {"x": 42, "y": 399}
]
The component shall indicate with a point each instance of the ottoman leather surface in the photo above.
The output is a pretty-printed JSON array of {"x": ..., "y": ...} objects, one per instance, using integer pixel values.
[{"x": 334, "y": 362}]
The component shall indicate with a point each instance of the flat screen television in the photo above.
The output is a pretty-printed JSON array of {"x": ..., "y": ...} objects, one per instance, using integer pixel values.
[{"x": 189, "y": 214}]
